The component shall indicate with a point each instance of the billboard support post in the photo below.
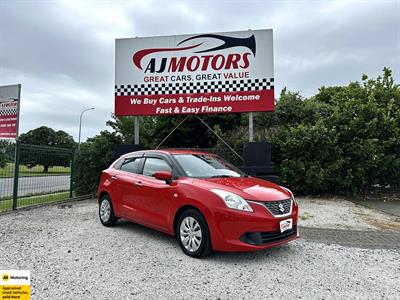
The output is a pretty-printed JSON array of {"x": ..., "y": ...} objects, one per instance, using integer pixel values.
[
  {"x": 16, "y": 173},
  {"x": 251, "y": 132},
  {"x": 136, "y": 130}
]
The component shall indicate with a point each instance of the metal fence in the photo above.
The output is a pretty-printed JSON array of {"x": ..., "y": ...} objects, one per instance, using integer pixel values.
[
  {"x": 32, "y": 175},
  {"x": 386, "y": 192}
]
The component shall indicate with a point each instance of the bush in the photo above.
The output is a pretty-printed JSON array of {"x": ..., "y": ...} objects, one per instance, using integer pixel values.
[
  {"x": 343, "y": 140},
  {"x": 3, "y": 161},
  {"x": 94, "y": 156}
]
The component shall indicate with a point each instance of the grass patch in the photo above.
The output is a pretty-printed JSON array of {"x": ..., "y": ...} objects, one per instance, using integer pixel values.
[
  {"x": 6, "y": 204},
  {"x": 24, "y": 171}
]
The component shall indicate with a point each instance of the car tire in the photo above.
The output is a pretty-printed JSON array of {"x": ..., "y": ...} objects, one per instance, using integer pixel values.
[
  {"x": 106, "y": 212},
  {"x": 193, "y": 234}
]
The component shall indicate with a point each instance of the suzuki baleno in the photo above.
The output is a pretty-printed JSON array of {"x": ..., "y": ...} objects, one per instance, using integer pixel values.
[{"x": 204, "y": 201}]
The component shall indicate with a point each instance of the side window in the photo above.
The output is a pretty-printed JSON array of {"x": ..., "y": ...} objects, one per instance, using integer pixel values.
[
  {"x": 152, "y": 165},
  {"x": 131, "y": 165},
  {"x": 118, "y": 164}
]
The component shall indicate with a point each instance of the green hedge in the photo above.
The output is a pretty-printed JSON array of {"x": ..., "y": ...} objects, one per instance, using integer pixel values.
[
  {"x": 94, "y": 156},
  {"x": 342, "y": 140}
]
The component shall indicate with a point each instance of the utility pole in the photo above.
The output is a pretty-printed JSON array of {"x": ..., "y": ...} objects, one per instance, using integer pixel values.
[{"x": 80, "y": 126}]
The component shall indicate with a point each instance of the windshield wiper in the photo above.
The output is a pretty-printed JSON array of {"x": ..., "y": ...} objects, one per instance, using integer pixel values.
[{"x": 221, "y": 176}]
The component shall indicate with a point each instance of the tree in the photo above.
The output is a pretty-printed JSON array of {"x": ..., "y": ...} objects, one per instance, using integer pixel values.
[
  {"x": 3, "y": 161},
  {"x": 7, "y": 152},
  {"x": 123, "y": 127},
  {"x": 192, "y": 133},
  {"x": 342, "y": 140},
  {"x": 48, "y": 155}
]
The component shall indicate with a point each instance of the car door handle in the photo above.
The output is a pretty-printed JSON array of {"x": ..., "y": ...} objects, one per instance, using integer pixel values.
[
  {"x": 138, "y": 183},
  {"x": 114, "y": 177}
]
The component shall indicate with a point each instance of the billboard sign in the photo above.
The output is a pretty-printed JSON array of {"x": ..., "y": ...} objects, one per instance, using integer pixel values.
[
  {"x": 195, "y": 74},
  {"x": 9, "y": 110}
]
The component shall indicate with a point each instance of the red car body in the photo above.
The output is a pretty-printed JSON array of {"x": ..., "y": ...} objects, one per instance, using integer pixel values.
[{"x": 157, "y": 204}]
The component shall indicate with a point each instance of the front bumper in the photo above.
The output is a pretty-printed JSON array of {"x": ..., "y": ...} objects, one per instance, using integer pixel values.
[{"x": 243, "y": 231}]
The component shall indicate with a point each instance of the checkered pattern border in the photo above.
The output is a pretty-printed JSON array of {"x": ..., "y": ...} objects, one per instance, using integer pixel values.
[
  {"x": 195, "y": 87},
  {"x": 8, "y": 111}
]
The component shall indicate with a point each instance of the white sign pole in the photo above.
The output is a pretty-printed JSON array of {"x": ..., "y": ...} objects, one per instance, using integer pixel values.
[
  {"x": 136, "y": 130},
  {"x": 251, "y": 132},
  {"x": 19, "y": 109}
]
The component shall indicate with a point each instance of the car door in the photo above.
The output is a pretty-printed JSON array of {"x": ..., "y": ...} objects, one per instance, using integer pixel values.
[
  {"x": 126, "y": 185},
  {"x": 154, "y": 199}
]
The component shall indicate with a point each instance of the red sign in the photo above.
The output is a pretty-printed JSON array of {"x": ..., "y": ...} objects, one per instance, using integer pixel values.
[
  {"x": 9, "y": 108},
  {"x": 209, "y": 103},
  {"x": 195, "y": 74}
]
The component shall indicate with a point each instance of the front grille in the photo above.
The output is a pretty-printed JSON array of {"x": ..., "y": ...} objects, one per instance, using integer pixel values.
[
  {"x": 278, "y": 208},
  {"x": 270, "y": 237},
  {"x": 259, "y": 238}
]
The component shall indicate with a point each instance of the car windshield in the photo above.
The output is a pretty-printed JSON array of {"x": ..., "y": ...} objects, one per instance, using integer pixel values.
[{"x": 206, "y": 166}]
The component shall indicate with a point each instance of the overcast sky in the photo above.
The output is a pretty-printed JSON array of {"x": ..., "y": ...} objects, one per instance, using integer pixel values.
[{"x": 63, "y": 52}]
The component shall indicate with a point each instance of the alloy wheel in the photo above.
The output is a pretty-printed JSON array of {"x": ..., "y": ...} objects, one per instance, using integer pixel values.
[
  {"x": 105, "y": 210},
  {"x": 190, "y": 234}
]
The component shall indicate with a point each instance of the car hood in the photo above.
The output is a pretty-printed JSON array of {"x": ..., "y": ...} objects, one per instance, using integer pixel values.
[{"x": 249, "y": 188}]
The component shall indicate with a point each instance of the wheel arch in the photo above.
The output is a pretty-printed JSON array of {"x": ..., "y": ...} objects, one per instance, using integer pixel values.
[
  {"x": 102, "y": 194},
  {"x": 183, "y": 208}
]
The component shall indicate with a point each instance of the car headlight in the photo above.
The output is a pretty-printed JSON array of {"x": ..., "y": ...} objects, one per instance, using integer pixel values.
[
  {"x": 290, "y": 192},
  {"x": 232, "y": 200}
]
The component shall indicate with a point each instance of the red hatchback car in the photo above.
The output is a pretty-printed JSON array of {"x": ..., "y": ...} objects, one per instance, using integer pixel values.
[{"x": 207, "y": 203}]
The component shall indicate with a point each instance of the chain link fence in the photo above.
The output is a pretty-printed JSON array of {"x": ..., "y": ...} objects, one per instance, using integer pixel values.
[
  {"x": 386, "y": 192},
  {"x": 7, "y": 155},
  {"x": 33, "y": 175}
]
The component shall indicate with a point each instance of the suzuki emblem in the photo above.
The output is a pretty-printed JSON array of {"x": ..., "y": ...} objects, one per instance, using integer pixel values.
[{"x": 281, "y": 208}]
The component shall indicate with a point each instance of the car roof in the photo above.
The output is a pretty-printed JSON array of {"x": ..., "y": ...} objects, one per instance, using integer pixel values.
[
  {"x": 171, "y": 151},
  {"x": 187, "y": 151}
]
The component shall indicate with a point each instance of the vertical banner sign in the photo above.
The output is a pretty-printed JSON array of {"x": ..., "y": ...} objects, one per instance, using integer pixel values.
[
  {"x": 9, "y": 110},
  {"x": 195, "y": 74},
  {"x": 15, "y": 284}
]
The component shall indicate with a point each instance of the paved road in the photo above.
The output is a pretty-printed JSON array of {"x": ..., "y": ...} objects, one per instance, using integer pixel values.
[
  {"x": 34, "y": 185},
  {"x": 390, "y": 206},
  {"x": 352, "y": 238}
]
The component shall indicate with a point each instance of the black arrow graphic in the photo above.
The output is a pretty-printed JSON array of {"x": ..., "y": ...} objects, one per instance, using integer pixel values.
[{"x": 229, "y": 42}]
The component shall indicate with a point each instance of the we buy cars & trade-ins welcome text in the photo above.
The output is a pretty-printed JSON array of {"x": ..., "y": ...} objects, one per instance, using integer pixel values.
[{"x": 195, "y": 74}]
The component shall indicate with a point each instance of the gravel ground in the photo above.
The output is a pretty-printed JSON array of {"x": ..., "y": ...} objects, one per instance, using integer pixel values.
[
  {"x": 342, "y": 214},
  {"x": 72, "y": 256}
]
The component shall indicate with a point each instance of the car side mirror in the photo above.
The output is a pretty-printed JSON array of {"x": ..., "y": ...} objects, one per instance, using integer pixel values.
[{"x": 163, "y": 175}]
